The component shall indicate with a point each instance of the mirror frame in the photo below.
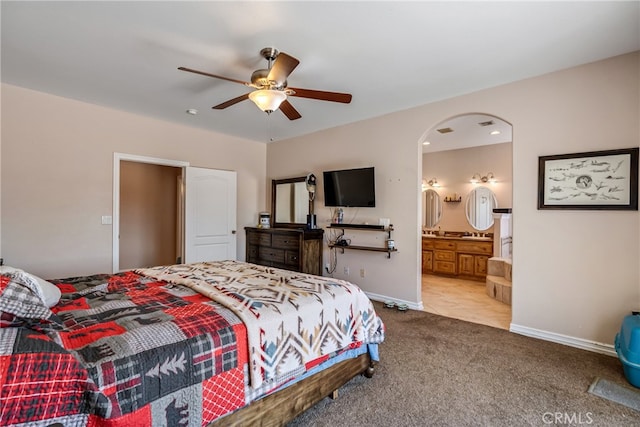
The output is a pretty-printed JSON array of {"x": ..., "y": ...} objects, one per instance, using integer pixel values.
[
  {"x": 274, "y": 185},
  {"x": 426, "y": 208},
  {"x": 495, "y": 205}
]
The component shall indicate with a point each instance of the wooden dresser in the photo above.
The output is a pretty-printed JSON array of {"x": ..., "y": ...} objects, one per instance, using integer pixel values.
[
  {"x": 296, "y": 249},
  {"x": 451, "y": 256}
]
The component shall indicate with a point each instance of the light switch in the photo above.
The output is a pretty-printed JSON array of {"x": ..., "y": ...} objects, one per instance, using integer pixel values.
[{"x": 107, "y": 219}]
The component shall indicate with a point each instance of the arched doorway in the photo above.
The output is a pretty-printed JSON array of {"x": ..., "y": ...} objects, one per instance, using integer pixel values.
[{"x": 467, "y": 172}]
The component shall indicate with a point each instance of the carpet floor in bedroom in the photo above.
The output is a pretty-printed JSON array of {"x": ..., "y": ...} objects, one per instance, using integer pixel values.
[{"x": 438, "y": 371}]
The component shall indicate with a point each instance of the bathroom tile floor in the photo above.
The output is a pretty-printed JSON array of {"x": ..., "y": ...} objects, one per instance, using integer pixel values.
[{"x": 464, "y": 300}]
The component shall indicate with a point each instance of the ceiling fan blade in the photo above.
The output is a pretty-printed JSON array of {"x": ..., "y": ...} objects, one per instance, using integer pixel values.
[
  {"x": 231, "y": 102},
  {"x": 345, "y": 98},
  {"x": 289, "y": 111},
  {"x": 282, "y": 67},
  {"x": 190, "y": 70}
]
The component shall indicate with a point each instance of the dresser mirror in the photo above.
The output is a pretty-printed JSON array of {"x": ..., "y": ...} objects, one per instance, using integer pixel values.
[
  {"x": 481, "y": 202},
  {"x": 433, "y": 208},
  {"x": 289, "y": 202}
]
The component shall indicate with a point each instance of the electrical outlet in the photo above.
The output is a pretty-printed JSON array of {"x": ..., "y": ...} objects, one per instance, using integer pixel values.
[
  {"x": 362, "y": 273},
  {"x": 346, "y": 271}
]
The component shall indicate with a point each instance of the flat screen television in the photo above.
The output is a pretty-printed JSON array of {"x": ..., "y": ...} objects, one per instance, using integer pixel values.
[{"x": 350, "y": 188}]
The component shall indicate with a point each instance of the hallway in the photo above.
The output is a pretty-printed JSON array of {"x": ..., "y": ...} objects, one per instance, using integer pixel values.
[{"x": 464, "y": 300}]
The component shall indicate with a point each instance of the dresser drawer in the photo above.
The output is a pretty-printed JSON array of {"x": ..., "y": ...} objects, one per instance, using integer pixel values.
[
  {"x": 444, "y": 256},
  {"x": 445, "y": 244},
  {"x": 291, "y": 258},
  {"x": 444, "y": 267},
  {"x": 261, "y": 239},
  {"x": 427, "y": 243},
  {"x": 252, "y": 253},
  {"x": 484, "y": 248},
  {"x": 285, "y": 241},
  {"x": 271, "y": 254}
]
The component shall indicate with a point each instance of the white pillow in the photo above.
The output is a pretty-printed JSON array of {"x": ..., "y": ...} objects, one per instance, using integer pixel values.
[
  {"x": 5, "y": 269},
  {"x": 50, "y": 292}
]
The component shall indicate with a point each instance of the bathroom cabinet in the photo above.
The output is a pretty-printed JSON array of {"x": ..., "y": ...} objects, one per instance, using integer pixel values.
[{"x": 456, "y": 256}]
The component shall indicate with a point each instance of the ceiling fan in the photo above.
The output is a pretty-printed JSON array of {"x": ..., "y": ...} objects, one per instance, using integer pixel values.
[{"x": 271, "y": 90}]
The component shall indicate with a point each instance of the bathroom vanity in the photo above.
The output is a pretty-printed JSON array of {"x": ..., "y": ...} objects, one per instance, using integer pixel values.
[{"x": 465, "y": 257}]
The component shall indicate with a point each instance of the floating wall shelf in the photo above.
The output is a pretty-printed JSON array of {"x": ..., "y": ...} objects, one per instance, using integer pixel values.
[
  {"x": 364, "y": 227},
  {"x": 452, "y": 200}
]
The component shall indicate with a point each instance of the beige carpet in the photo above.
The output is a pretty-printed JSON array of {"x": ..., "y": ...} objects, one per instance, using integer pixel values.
[{"x": 437, "y": 371}]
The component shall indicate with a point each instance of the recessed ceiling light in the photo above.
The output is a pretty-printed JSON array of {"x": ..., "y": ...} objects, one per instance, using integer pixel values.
[
  {"x": 426, "y": 143},
  {"x": 445, "y": 130},
  {"x": 495, "y": 132},
  {"x": 192, "y": 111}
]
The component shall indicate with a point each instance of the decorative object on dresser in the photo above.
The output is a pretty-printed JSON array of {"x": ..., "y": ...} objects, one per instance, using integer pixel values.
[
  {"x": 296, "y": 249},
  {"x": 310, "y": 182}
]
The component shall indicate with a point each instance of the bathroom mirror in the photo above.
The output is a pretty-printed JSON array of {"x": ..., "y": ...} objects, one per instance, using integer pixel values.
[
  {"x": 480, "y": 205},
  {"x": 433, "y": 208},
  {"x": 289, "y": 202}
]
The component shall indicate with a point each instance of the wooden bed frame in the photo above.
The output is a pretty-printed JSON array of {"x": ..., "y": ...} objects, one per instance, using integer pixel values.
[{"x": 279, "y": 408}]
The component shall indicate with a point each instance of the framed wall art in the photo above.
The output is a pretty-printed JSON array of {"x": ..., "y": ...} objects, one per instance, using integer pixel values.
[{"x": 593, "y": 180}]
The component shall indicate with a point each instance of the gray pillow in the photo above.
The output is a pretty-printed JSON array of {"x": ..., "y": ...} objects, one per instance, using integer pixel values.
[
  {"x": 21, "y": 296},
  {"x": 49, "y": 292}
]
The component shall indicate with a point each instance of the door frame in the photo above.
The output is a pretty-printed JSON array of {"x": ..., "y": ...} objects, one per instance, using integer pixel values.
[{"x": 117, "y": 158}]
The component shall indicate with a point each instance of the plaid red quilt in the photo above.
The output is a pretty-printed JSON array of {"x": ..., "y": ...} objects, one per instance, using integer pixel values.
[
  {"x": 132, "y": 350},
  {"x": 119, "y": 350}
]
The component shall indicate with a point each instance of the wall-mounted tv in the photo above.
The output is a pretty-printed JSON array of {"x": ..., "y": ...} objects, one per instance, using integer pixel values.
[{"x": 350, "y": 188}]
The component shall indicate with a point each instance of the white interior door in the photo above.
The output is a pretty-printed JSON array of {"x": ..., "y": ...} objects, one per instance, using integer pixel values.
[{"x": 210, "y": 215}]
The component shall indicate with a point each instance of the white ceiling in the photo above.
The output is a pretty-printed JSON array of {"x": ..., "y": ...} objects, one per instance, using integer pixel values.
[
  {"x": 469, "y": 130},
  {"x": 390, "y": 55}
]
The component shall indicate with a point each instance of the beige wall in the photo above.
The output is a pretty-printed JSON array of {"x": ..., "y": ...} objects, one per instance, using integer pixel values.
[
  {"x": 576, "y": 273},
  {"x": 57, "y": 176},
  {"x": 454, "y": 169}
]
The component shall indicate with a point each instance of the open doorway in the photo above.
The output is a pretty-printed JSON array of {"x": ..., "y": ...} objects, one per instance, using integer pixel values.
[
  {"x": 150, "y": 215},
  {"x": 200, "y": 219},
  {"x": 467, "y": 173}
]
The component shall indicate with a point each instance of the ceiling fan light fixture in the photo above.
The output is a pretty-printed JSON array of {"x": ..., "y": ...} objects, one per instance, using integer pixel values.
[{"x": 268, "y": 100}]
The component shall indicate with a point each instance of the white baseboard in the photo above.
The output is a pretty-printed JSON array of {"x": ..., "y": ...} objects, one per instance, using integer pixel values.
[
  {"x": 594, "y": 346},
  {"x": 382, "y": 298},
  {"x": 581, "y": 343}
]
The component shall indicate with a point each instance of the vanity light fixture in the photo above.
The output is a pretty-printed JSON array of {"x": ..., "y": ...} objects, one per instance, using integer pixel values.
[
  {"x": 489, "y": 177},
  {"x": 433, "y": 182}
]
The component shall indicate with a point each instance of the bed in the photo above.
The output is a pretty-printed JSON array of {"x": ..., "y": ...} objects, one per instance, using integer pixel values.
[{"x": 215, "y": 343}]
